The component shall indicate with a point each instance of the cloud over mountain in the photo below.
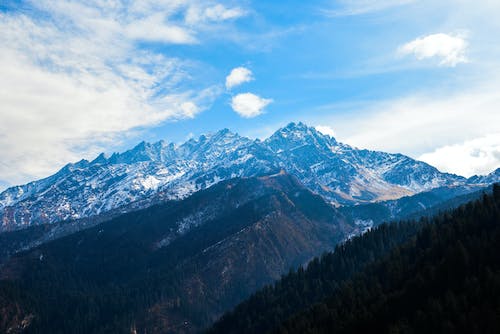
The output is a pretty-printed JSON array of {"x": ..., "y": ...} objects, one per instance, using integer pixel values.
[{"x": 75, "y": 77}]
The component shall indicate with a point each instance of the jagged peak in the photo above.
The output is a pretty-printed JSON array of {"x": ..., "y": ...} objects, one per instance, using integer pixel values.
[
  {"x": 222, "y": 136},
  {"x": 223, "y": 133},
  {"x": 164, "y": 144},
  {"x": 145, "y": 151},
  {"x": 299, "y": 127},
  {"x": 144, "y": 145},
  {"x": 298, "y": 133},
  {"x": 210, "y": 136},
  {"x": 82, "y": 163},
  {"x": 294, "y": 127},
  {"x": 101, "y": 159},
  {"x": 495, "y": 172},
  {"x": 492, "y": 177},
  {"x": 141, "y": 145}
]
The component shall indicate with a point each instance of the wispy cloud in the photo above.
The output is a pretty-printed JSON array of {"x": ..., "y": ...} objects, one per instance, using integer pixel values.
[
  {"x": 425, "y": 125},
  {"x": 448, "y": 118},
  {"x": 449, "y": 49},
  {"x": 249, "y": 105},
  {"x": 154, "y": 28},
  {"x": 74, "y": 78},
  {"x": 215, "y": 13},
  {"x": 360, "y": 7}
]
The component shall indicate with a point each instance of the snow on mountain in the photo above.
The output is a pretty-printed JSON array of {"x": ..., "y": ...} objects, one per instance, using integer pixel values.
[
  {"x": 493, "y": 177},
  {"x": 165, "y": 171}
]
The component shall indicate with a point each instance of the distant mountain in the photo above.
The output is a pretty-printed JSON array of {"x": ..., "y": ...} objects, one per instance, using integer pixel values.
[
  {"x": 438, "y": 276},
  {"x": 347, "y": 175},
  {"x": 427, "y": 203},
  {"x": 491, "y": 178},
  {"x": 151, "y": 173},
  {"x": 171, "y": 267}
]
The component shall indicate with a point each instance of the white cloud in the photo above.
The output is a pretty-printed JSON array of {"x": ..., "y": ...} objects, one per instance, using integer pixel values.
[
  {"x": 451, "y": 119},
  {"x": 421, "y": 124},
  {"x": 474, "y": 157},
  {"x": 449, "y": 49},
  {"x": 238, "y": 76},
  {"x": 74, "y": 81},
  {"x": 153, "y": 28},
  {"x": 221, "y": 13},
  {"x": 249, "y": 105},
  {"x": 326, "y": 130},
  {"x": 218, "y": 13},
  {"x": 425, "y": 122}
]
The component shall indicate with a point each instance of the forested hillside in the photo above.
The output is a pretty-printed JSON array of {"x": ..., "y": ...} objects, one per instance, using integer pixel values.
[
  {"x": 174, "y": 267},
  {"x": 445, "y": 279}
]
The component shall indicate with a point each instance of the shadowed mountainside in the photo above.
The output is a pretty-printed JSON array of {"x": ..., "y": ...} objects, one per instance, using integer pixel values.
[
  {"x": 171, "y": 267},
  {"x": 443, "y": 279}
]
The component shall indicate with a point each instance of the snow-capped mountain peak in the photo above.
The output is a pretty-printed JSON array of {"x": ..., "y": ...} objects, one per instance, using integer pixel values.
[
  {"x": 151, "y": 172},
  {"x": 296, "y": 135},
  {"x": 486, "y": 179}
]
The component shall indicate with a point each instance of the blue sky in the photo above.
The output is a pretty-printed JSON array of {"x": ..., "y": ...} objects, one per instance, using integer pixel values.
[{"x": 80, "y": 77}]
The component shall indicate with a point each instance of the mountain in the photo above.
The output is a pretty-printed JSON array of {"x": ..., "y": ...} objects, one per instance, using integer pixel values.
[
  {"x": 427, "y": 203},
  {"x": 173, "y": 267},
  {"x": 438, "y": 276},
  {"x": 364, "y": 216},
  {"x": 152, "y": 173},
  {"x": 347, "y": 175},
  {"x": 486, "y": 179}
]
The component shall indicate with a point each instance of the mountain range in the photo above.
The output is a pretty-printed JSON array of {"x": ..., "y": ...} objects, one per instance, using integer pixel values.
[
  {"x": 438, "y": 275},
  {"x": 167, "y": 238},
  {"x": 173, "y": 267},
  {"x": 154, "y": 173}
]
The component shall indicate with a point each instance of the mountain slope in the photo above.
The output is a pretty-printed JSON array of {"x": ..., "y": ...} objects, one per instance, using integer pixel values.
[
  {"x": 486, "y": 179},
  {"x": 152, "y": 173},
  {"x": 300, "y": 289},
  {"x": 446, "y": 279},
  {"x": 364, "y": 216},
  {"x": 427, "y": 203},
  {"x": 171, "y": 267}
]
